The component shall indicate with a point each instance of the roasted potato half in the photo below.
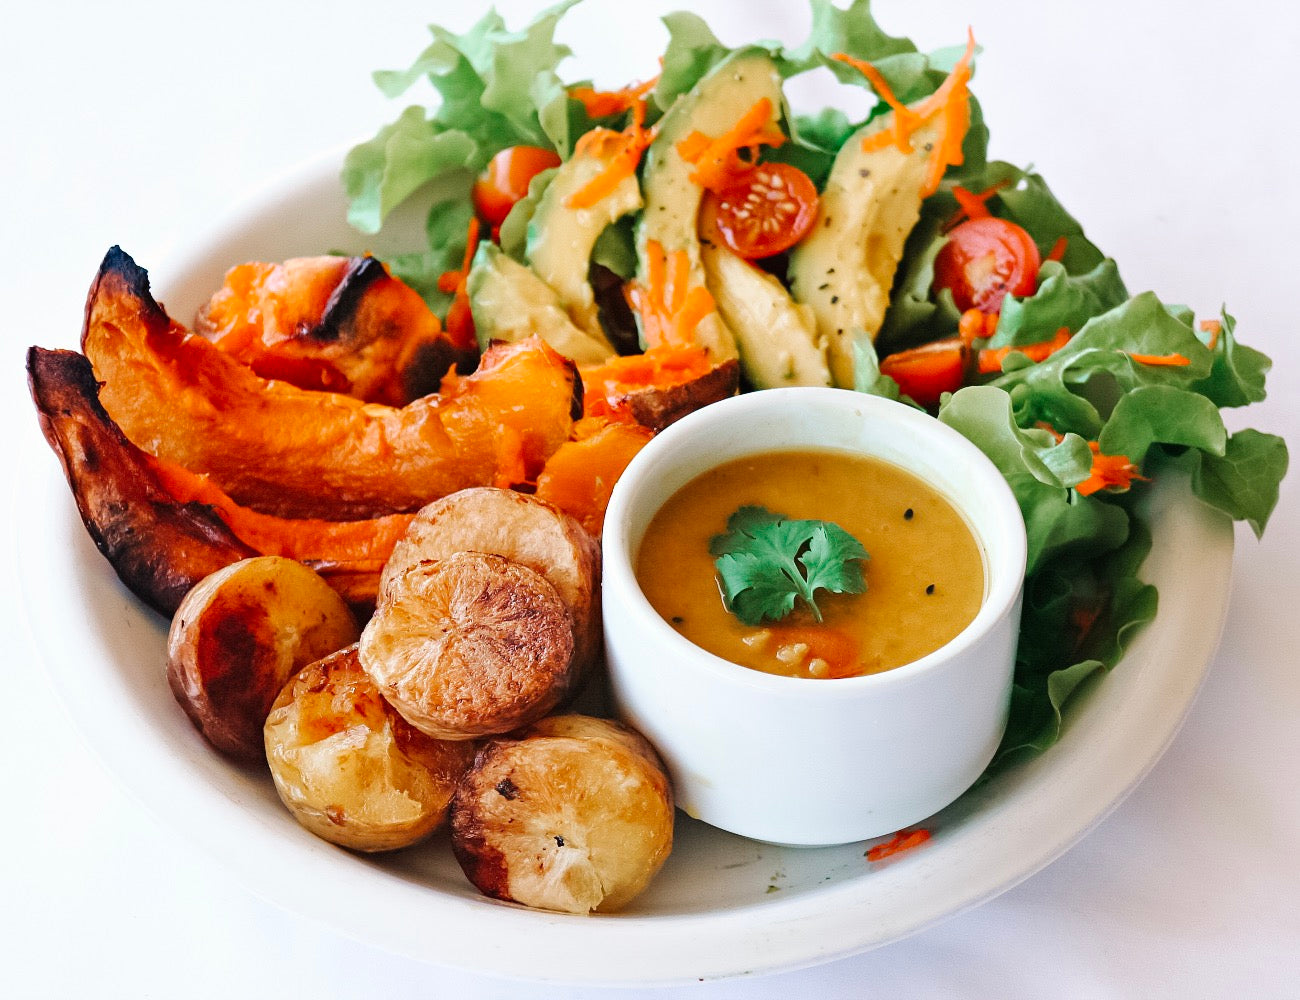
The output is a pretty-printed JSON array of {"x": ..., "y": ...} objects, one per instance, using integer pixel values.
[
  {"x": 240, "y": 634},
  {"x": 523, "y": 529},
  {"x": 575, "y": 814},
  {"x": 470, "y": 645},
  {"x": 349, "y": 767}
]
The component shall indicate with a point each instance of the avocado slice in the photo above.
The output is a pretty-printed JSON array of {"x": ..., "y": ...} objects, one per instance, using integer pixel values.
[
  {"x": 672, "y": 199},
  {"x": 778, "y": 339},
  {"x": 561, "y": 238},
  {"x": 509, "y": 302},
  {"x": 844, "y": 268}
]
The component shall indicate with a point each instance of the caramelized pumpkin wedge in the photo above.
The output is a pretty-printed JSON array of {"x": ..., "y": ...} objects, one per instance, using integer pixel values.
[
  {"x": 162, "y": 528},
  {"x": 580, "y": 476},
  {"x": 301, "y": 453},
  {"x": 339, "y": 324},
  {"x": 159, "y": 548}
]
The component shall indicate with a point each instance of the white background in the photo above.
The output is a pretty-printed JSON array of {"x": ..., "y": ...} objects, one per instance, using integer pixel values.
[{"x": 1169, "y": 130}]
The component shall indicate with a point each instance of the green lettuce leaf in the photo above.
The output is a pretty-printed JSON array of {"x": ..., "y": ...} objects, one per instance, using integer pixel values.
[
  {"x": 446, "y": 226},
  {"x": 496, "y": 88},
  {"x": 1061, "y": 300},
  {"x": 1245, "y": 480},
  {"x": 691, "y": 52}
]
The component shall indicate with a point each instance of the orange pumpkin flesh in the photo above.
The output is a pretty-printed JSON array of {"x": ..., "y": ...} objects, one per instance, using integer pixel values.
[{"x": 299, "y": 453}]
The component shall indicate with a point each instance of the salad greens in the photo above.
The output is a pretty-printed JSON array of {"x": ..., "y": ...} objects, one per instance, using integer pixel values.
[
  {"x": 1134, "y": 396},
  {"x": 767, "y": 561}
]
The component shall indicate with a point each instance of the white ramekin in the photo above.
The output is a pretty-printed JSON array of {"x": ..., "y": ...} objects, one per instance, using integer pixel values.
[{"x": 799, "y": 761}]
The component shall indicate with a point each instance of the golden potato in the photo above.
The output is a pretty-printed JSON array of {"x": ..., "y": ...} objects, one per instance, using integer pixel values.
[
  {"x": 523, "y": 529},
  {"x": 470, "y": 645},
  {"x": 349, "y": 767},
  {"x": 239, "y": 634},
  {"x": 575, "y": 814}
]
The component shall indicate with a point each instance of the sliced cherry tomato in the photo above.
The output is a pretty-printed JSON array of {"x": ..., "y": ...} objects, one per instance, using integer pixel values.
[
  {"x": 984, "y": 260},
  {"x": 505, "y": 181},
  {"x": 765, "y": 210},
  {"x": 925, "y": 373}
]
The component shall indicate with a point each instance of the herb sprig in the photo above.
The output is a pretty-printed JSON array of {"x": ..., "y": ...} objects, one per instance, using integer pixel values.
[{"x": 766, "y": 561}]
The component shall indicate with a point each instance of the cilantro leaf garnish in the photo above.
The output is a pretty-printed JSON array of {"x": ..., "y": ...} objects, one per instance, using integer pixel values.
[{"x": 767, "y": 561}]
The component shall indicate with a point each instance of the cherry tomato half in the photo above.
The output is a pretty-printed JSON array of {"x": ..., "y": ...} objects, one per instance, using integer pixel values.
[
  {"x": 765, "y": 210},
  {"x": 984, "y": 260},
  {"x": 925, "y": 373},
  {"x": 505, "y": 181}
]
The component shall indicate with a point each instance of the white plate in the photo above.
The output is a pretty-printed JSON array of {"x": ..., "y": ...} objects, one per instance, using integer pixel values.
[{"x": 722, "y": 906}]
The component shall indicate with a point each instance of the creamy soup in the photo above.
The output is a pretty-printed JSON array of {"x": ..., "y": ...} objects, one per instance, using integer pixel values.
[{"x": 925, "y": 575}]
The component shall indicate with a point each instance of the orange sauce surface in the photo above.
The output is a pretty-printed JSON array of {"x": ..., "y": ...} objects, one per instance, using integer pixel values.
[{"x": 925, "y": 576}]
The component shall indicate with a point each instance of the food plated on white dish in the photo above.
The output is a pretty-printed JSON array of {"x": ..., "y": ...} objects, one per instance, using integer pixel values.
[{"x": 265, "y": 219}]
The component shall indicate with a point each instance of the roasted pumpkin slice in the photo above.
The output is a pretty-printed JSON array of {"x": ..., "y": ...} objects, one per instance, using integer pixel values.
[
  {"x": 163, "y": 528},
  {"x": 580, "y": 476},
  {"x": 339, "y": 324},
  {"x": 301, "y": 453}
]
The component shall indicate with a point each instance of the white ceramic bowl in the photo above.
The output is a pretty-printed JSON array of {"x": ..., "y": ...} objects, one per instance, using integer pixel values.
[{"x": 815, "y": 762}]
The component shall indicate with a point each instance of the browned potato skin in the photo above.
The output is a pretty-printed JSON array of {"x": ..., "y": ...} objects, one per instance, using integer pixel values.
[
  {"x": 470, "y": 645},
  {"x": 568, "y": 783},
  {"x": 159, "y": 548},
  {"x": 522, "y": 528},
  {"x": 239, "y": 635},
  {"x": 349, "y": 768}
]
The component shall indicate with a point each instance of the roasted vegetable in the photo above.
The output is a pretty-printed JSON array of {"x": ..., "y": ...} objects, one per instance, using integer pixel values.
[
  {"x": 300, "y": 453},
  {"x": 580, "y": 476},
  {"x": 470, "y": 645},
  {"x": 163, "y": 528},
  {"x": 158, "y": 547},
  {"x": 349, "y": 768},
  {"x": 340, "y": 324},
  {"x": 521, "y": 528},
  {"x": 575, "y": 814},
  {"x": 658, "y": 387},
  {"x": 240, "y": 635}
]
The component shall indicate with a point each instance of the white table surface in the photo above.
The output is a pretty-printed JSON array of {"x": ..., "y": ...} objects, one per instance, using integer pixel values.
[{"x": 1172, "y": 136}]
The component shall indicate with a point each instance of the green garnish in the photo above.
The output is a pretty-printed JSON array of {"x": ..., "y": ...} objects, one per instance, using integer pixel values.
[{"x": 766, "y": 561}]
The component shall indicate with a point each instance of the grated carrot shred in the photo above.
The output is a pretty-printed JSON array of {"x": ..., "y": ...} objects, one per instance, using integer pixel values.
[
  {"x": 459, "y": 321},
  {"x": 990, "y": 359},
  {"x": 1215, "y": 329},
  {"x": 1108, "y": 471},
  {"x": 607, "y": 103},
  {"x": 451, "y": 282},
  {"x": 632, "y": 142},
  {"x": 1161, "y": 360},
  {"x": 1083, "y": 617},
  {"x": 972, "y": 205},
  {"x": 717, "y": 161},
  {"x": 900, "y": 842},
  {"x": 975, "y": 324},
  {"x": 670, "y": 309},
  {"x": 950, "y": 103},
  {"x": 1057, "y": 253}
]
